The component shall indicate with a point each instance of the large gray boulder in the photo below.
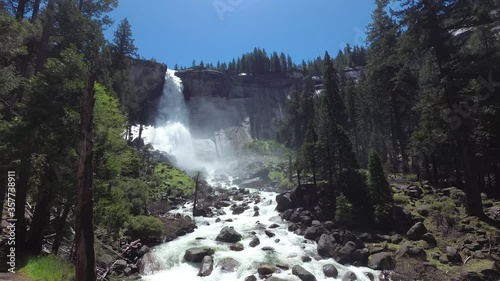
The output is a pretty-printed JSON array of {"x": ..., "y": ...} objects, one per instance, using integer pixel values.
[
  {"x": 313, "y": 233},
  {"x": 382, "y": 261},
  {"x": 228, "y": 265},
  {"x": 330, "y": 271},
  {"x": 345, "y": 253},
  {"x": 416, "y": 231},
  {"x": 197, "y": 254},
  {"x": 207, "y": 266},
  {"x": 326, "y": 247},
  {"x": 284, "y": 201},
  {"x": 229, "y": 235},
  {"x": 303, "y": 274}
]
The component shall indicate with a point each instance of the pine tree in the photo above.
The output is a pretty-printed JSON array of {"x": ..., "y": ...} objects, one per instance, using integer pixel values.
[
  {"x": 343, "y": 212},
  {"x": 380, "y": 191},
  {"x": 123, "y": 43}
]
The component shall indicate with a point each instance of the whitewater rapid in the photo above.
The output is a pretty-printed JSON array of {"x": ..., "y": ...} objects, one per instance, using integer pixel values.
[
  {"x": 289, "y": 250},
  {"x": 172, "y": 134}
]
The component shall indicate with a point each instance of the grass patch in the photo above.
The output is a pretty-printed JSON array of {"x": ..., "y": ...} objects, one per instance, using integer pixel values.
[
  {"x": 401, "y": 198},
  {"x": 173, "y": 181},
  {"x": 49, "y": 268}
]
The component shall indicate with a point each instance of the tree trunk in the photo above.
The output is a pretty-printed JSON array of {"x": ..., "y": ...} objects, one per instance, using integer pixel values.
[
  {"x": 21, "y": 193},
  {"x": 36, "y": 9},
  {"x": 43, "y": 51},
  {"x": 60, "y": 228},
  {"x": 474, "y": 205},
  {"x": 21, "y": 9},
  {"x": 196, "y": 194},
  {"x": 42, "y": 214},
  {"x": 84, "y": 235},
  {"x": 435, "y": 168}
]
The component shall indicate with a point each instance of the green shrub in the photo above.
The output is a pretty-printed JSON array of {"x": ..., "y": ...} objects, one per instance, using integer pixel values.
[
  {"x": 115, "y": 218},
  {"x": 401, "y": 198},
  {"x": 458, "y": 196},
  {"x": 444, "y": 206},
  {"x": 343, "y": 211},
  {"x": 49, "y": 268},
  {"x": 144, "y": 226}
]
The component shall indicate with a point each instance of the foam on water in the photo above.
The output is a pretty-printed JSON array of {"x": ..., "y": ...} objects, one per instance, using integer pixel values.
[{"x": 288, "y": 251}]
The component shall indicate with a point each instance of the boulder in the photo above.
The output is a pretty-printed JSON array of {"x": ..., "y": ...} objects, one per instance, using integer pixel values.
[
  {"x": 286, "y": 214},
  {"x": 266, "y": 269},
  {"x": 326, "y": 247},
  {"x": 274, "y": 225},
  {"x": 306, "y": 259},
  {"x": 330, "y": 271},
  {"x": 412, "y": 252},
  {"x": 345, "y": 254},
  {"x": 313, "y": 233},
  {"x": 396, "y": 239},
  {"x": 303, "y": 274},
  {"x": 236, "y": 247},
  {"x": 228, "y": 265},
  {"x": 284, "y": 201},
  {"x": 269, "y": 233},
  {"x": 382, "y": 261},
  {"x": 268, "y": 249},
  {"x": 453, "y": 254},
  {"x": 197, "y": 254},
  {"x": 143, "y": 250},
  {"x": 416, "y": 231},
  {"x": 401, "y": 216},
  {"x": 349, "y": 276},
  {"x": 207, "y": 266},
  {"x": 228, "y": 234},
  {"x": 239, "y": 210},
  {"x": 329, "y": 225},
  {"x": 361, "y": 256},
  {"x": 255, "y": 241},
  {"x": 431, "y": 241},
  {"x": 120, "y": 265},
  {"x": 251, "y": 278}
]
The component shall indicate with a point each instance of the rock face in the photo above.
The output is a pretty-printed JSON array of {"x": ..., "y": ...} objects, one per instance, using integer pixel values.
[
  {"x": 228, "y": 234},
  {"x": 147, "y": 79},
  {"x": 303, "y": 274},
  {"x": 219, "y": 100}
]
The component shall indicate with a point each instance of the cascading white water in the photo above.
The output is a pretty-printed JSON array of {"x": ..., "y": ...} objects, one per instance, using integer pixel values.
[
  {"x": 173, "y": 136},
  {"x": 172, "y": 133},
  {"x": 289, "y": 250}
]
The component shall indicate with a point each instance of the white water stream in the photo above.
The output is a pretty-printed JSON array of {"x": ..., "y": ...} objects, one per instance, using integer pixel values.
[{"x": 174, "y": 137}]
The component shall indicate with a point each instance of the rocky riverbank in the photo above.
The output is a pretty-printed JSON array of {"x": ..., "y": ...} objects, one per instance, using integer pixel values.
[{"x": 431, "y": 238}]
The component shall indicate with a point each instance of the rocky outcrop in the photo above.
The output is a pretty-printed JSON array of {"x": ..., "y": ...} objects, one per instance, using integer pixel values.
[{"x": 147, "y": 79}]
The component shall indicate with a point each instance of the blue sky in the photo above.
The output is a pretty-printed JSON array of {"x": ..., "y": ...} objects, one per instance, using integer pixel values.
[{"x": 178, "y": 31}]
